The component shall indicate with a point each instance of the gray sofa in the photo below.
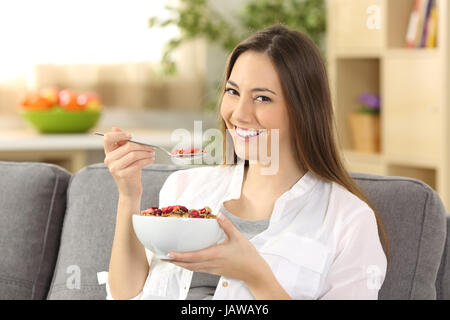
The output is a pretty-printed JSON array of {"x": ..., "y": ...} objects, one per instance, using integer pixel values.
[{"x": 56, "y": 231}]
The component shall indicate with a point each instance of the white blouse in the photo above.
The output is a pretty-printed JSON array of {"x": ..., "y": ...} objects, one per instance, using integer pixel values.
[{"x": 322, "y": 241}]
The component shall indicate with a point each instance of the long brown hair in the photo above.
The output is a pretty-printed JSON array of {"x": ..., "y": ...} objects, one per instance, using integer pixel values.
[{"x": 304, "y": 81}]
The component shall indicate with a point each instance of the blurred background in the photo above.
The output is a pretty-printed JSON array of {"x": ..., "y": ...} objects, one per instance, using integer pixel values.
[{"x": 69, "y": 68}]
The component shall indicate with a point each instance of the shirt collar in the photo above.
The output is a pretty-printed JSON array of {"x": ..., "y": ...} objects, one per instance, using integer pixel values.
[{"x": 301, "y": 187}]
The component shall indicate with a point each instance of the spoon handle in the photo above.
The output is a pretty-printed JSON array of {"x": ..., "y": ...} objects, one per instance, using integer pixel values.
[
  {"x": 192, "y": 155},
  {"x": 145, "y": 144}
]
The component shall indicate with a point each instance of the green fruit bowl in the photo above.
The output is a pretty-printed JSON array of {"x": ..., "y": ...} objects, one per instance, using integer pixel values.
[{"x": 58, "y": 120}]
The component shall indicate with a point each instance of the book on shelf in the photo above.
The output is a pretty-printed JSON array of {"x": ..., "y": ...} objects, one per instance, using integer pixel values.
[
  {"x": 422, "y": 27},
  {"x": 432, "y": 27}
]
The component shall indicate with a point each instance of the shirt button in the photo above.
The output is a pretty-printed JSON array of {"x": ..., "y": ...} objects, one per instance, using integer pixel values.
[{"x": 224, "y": 284}]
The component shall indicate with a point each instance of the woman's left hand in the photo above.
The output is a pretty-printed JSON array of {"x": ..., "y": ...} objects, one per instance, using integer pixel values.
[{"x": 235, "y": 257}]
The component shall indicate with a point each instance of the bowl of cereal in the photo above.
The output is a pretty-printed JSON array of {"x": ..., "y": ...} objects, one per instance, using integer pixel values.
[{"x": 177, "y": 229}]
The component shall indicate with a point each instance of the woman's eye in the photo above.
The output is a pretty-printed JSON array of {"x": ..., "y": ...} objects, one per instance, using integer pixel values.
[
  {"x": 231, "y": 91},
  {"x": 263, "y": 99}
]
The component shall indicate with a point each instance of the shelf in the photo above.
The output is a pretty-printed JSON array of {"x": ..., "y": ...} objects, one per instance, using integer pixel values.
[
  {"x": 399, "y": 12},
  {"x": 413, "y": 107},
  {"x": 406, "y": 53},
  {"x": 350, "y": 24},
  {"x": 354, "y": 77},
  {"x": 398, "y": 16},
  {"x": 372, "y": 163},
  {"x": 358, "y": 53},
  {"x": 361, "y": 156},
  {"x": 412, "y": 82},
  {"x": 424, "y": 162},
  {"x": 424, "y": 174}
]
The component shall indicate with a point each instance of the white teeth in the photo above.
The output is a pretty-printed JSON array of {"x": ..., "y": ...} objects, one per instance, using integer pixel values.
[{"x": 247, "y": 133}]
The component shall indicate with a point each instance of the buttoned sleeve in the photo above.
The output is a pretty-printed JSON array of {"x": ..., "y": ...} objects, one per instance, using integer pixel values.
[
  {"x": 359, "y": 267},
  {"x": 169, "y": 192}
]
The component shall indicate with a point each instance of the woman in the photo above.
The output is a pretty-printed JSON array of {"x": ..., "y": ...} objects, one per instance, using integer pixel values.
[{"x": 305, "y": 231}]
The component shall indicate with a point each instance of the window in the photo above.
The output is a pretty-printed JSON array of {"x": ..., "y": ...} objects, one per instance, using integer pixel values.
[{"x": 78, "y": 31}]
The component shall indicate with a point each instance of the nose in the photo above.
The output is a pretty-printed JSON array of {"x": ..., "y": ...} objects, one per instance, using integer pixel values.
[{"x": 242, "y": 111}]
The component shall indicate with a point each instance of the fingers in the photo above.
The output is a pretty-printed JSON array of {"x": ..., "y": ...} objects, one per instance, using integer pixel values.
[
  {"x": 130, "y": 158},
  {"x": 136, "y": 166},
  {"x": 124, "y": 158},
  {"x": 113, "y": 139},
  {"x": 208, "y": 267},
  {"x": 206, "y": 260},
  {"x": 122, "y": 151},
  {"x": 227, "y": 226},
  {"x": 195, "y": 256},
  {"x": 131, "y": 168}
]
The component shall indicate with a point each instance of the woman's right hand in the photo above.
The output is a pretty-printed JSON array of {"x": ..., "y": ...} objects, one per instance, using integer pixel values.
[{"x": 125, "y": 161}]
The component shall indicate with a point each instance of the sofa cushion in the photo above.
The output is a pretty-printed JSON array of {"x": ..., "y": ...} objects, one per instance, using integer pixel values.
[
  {"x": 88, "y": 229},
  {"x": 443, "y": 281},
  {"x": 33, "y": 203},
  {"x": 415, "y": 223}
]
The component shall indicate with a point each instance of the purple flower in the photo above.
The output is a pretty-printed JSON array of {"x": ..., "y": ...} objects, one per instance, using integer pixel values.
[{"x": 372, "y": 101}]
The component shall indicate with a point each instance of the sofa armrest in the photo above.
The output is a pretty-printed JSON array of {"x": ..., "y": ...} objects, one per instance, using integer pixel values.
[
  {"x": 32, "y": 207},
  {"x": 443, "y": 279}
]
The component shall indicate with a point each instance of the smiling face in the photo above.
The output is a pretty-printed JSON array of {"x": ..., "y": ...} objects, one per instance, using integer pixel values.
[{"x": 253, "y": 104}]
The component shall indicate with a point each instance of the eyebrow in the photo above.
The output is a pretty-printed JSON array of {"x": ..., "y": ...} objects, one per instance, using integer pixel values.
[{"x": 254, "y": 89}]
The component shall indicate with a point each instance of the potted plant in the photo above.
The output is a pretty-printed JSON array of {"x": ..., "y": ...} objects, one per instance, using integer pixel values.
[
  {"x": 198, "y": 18},
  {"x": 365, "y": 124}
]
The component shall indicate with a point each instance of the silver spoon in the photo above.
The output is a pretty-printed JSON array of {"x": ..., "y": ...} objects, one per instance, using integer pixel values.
[{"x": 180, "y": 156}]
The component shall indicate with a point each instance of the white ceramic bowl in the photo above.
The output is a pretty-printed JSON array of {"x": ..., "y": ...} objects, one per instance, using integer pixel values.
[{"x": 162, "y": 235}]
